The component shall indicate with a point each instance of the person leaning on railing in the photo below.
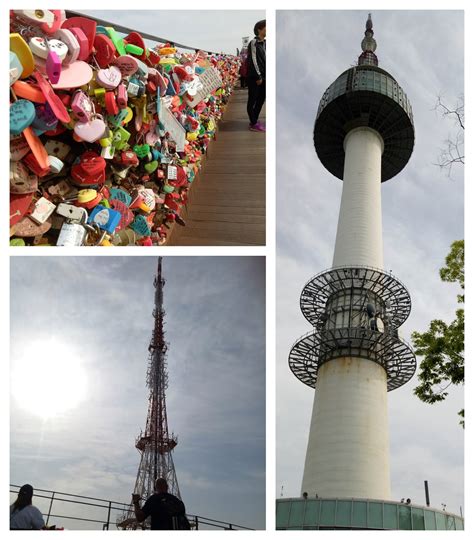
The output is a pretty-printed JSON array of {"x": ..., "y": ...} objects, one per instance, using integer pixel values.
[{"x": 23, "y": 515}]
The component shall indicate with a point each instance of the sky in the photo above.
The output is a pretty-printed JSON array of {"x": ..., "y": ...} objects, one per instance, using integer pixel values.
[
  {"x": 95, "y": 313},
  {"x": 217, "y": 31},
  {"x": 422, "y": 214}
]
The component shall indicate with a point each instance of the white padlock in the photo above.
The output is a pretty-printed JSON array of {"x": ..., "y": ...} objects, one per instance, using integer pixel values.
[
  {"x": 74, "y": 214},
  {"x": 36, "y": 16},
  {"x": 71, "y": 234},
  {"x": 55, "y": 164},
  {"x": 39, "y": 47},
  {"x": 43, "y": 209}
]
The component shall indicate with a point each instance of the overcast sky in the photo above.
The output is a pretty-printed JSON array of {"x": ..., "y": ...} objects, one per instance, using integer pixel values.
[
  {"x": 100, "y": 308},
  {"x": 219, "y": 31},
  {"x": 422, "y": 215}
]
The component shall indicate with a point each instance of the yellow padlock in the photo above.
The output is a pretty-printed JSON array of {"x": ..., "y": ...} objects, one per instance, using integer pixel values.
[
  {"x": 106, "y": 141},
  {"x": 192, "y": 135},
  {"x": 86, "y": 195}
]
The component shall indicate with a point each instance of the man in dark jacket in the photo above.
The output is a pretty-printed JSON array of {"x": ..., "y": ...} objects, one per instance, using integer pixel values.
[
  {"x": 167, "y": 511},
  {"x": 256, "y": 75}
]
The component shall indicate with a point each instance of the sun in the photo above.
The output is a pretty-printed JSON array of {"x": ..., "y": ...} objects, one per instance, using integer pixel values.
[{"x": 48, "y": 378}]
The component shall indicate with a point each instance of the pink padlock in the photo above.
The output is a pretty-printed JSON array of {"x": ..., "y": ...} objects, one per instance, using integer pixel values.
[
  {"x": 53, "y": 67},
  {"x": 122, "y": 96},
  {"x": 82, "y": 106}
]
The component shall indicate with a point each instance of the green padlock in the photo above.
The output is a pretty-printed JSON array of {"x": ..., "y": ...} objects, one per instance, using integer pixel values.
[
  {"x": 151, "y": 167},
  {"x": 142, "y": 150},
  {"x": 116, "y": 40},
  {"x": 121, "y": 137}
]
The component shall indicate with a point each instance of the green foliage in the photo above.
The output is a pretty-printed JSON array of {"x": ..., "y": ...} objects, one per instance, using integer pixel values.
[{"x": 442, "y": 345}]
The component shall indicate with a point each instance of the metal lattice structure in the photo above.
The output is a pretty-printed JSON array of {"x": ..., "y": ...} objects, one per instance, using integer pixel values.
[{"x": 155, "y": 444}]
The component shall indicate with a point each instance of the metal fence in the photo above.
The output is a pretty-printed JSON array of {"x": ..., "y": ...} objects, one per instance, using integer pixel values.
[{"x": 107, "y": 510}]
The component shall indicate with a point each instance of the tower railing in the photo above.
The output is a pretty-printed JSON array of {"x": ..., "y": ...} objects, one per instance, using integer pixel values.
[{"x": 109, "y": 509}]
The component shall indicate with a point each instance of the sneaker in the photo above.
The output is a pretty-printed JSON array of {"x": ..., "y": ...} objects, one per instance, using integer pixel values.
[{"x": 256, "y": 127}]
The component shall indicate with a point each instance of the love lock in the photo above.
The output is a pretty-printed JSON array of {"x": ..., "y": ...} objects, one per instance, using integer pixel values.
[{"x": 107, "y": 134}]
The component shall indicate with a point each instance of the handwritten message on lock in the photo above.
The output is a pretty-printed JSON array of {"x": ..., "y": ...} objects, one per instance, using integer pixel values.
[
  {"x": 210, "y": 80},
  {"x": 22, "y": 114}
]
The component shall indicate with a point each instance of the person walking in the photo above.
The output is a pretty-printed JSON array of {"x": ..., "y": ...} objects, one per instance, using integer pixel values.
[
  {"x": 23, "y": 515},
  {"x": 256, "y": 75},
  {"x": 167, "y": 511}
]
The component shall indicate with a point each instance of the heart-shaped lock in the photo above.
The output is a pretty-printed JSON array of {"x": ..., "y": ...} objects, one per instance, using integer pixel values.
[
  {"x": 125, "y": 213},
  {"x": 19, "y": 205},
  {"x": 109, "y": 78},
  {"x": 74, "y": 75},
  {"x": 88, "y": 27},
  {"x": 141, "y": 150},
  {"x": 104, "y": 50},
  {"x": 90, "y": 131},
  {"x": 91, "y": 163},
  {"x": 151, "y": 167},
  {"x": 22, "y": 114},
  {"x": 127, "y": 65},
  {"x": 21, "y": 181}
]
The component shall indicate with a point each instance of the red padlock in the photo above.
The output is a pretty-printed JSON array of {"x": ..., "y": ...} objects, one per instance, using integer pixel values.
[{"x": 111, "y": 103}]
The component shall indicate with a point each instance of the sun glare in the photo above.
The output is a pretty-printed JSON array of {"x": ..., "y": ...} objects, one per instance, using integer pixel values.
[{"x": 48, "y": 379}]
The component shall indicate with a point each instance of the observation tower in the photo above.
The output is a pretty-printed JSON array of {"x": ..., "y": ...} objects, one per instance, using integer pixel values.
[{"x": 364, "y": 135}]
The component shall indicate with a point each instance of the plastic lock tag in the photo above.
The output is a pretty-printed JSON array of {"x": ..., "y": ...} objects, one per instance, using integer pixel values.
[
  {"x": 36, "y": 16},
  {"x": 71, "y": 234},
  {"x": 108, "y": 152},
  {"x": 43, "y": 209},
  {"x": 82, "y": 106}
]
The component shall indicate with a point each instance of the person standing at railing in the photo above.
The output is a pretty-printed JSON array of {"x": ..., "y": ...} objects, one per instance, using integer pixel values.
[
  {"x": 23, "y": 515},
  {"x": 256, "y": 75},
  {"x": 167, "y": 511}
]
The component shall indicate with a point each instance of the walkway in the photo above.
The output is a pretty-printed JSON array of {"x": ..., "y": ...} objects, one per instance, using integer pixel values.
[{"x": 226, "y": 204}]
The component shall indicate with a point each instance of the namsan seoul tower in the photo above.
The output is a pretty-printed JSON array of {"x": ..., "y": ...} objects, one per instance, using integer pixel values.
[{"x": 364, "y": 135}]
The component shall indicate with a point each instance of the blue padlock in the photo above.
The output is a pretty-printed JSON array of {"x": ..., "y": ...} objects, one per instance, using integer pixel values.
[
  {"x": 120, "y": 195},
  {"x": 106, "y": 218},
  {"x": 22, "y": 114},
  {"x": 16, "y": 69}
]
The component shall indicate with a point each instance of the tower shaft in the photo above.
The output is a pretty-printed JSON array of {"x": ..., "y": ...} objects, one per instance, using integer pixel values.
[
  {"x": 348, "y": 445},
  {"x": 359, "y": 230}
]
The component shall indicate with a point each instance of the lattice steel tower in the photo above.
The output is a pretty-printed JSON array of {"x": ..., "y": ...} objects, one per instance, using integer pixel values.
[
  {"x": 364, "y": 135},
  {"x": 155, "y": 444}
]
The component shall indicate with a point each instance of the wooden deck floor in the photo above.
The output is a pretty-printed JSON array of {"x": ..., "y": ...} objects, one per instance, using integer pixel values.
[{"x": 227, "y": 199}]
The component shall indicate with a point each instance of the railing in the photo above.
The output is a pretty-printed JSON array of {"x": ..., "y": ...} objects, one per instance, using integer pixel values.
[
  {"x": 108, "y": 508},
  {"x": 125, "y": 30}
]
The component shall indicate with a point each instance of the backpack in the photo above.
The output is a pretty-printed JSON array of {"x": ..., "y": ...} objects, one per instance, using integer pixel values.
[{"x": 175, "y": 509}]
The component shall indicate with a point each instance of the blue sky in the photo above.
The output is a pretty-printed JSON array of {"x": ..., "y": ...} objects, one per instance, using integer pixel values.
[
  {"x": 216, "y": 30},
  {"x": 422, "y": 214},
  {"x": 100, "y": 308}
]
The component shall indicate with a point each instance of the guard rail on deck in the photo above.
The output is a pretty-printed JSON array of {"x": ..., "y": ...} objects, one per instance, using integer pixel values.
[{"x": 108, "y": 507}]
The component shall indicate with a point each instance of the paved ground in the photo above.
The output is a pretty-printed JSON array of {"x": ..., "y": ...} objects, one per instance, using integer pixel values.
[{"x": 227, "y": 200}]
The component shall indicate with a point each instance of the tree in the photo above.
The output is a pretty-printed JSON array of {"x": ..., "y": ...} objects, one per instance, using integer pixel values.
[
  {"x": 453, "y": 151},
  {"x": 442, "y": 345}
]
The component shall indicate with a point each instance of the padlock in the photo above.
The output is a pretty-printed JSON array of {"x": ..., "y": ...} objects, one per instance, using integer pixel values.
[
  {"x": 71, "y": 234},
  {"x": 42, "y": 210},
  {"x": 74, "y": 214}
]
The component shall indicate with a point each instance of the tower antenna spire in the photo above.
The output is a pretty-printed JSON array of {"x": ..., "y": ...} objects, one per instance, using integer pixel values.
[{"x": 368, "y": 45}]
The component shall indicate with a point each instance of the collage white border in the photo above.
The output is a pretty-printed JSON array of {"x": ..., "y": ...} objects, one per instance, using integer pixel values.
[{"x": 268, "y": 250}]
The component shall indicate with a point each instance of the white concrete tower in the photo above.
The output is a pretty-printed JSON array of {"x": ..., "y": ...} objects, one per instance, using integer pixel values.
[{"x": 364, "y": 135}]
